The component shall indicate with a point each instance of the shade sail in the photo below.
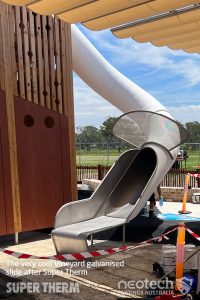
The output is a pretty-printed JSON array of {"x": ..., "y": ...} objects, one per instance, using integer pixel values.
[
  {"x": 193, "y": 49},
  {"x": 184, "y": 45},
  {"x": 141, "y": 127},
  {"x": 18, "y": 2},
  {"x": 167, "y": 32},
  {"x": 172, "y": 23},
  {"x": 78, "y": 10},
  {"x": 139, "y": 12},
  {"x": 177, "y": 30},
  {"x": 52, "y": 7},
  {"x": 161, "y": 23},
  {"x": 185, "y": 37},
  {"x": 100, "y": 14},
  {"x": 102, "y": 9}
]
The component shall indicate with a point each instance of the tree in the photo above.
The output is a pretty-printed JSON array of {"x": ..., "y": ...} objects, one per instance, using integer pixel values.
[
  {"x": 194, "y": 131},
  {"x": 106, "y": 130},
  {"x": 87, "y": 135}
]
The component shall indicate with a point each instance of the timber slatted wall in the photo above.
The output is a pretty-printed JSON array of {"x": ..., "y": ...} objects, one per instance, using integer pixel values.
[
  {"x": 35, "y": 82},
  {"x": 40, "y": 59}
]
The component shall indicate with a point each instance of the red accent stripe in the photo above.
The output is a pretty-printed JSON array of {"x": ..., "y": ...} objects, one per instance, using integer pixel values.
[
  {"x": 110, "y": 251},
  {"x": 123, "y": 247},
  {"x": 195, "y": 175},
  {"x": 59, "y": 257},
  {"x": 78, "y": 256},
  {"x": 24, "y": 256},
  {"x": 95, "y": 253},
  {"x": 195, "y": 235},
  {"x": 192, "y": 233},
  {"x": 8, "y": 252}
]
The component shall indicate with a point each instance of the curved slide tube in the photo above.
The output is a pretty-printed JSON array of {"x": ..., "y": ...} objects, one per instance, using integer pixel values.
[
  {"x": 136, "y": 174},
  {"x": 117, "y": 89}
]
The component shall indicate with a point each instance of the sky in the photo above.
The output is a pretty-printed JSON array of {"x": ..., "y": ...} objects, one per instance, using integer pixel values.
[{"x": 172, "y": 77}]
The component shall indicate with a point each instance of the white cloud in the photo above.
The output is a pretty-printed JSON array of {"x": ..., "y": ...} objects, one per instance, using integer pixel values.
[
  {"x": 90, "y": 108},
  {"x": 186, "y": 113},
  {"x": 127, "y": 51}
]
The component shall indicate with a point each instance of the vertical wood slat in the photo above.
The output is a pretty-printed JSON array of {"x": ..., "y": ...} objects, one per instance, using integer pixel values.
[
  {"x": 58, "y": 67},
  {"x": 63, "y": 66},
  {"x": 26, "y": 49},
  {"x": 40, "y": 61},
  {"x": 68, "y": 104},
  {"x": 11, "y": 17},
  {"x": 46, "y": 63},
  {"x": 2, "y": 80},
  {"x": 33, "y": 58},
  {"x": 11, "y": 118},
  {"x": 68, "y": 96},
  {"x": 52, "y": 62},
  {"x": 20, "y": 60}
]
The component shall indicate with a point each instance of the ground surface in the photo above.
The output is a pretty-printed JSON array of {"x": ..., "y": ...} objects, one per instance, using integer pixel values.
[
  {"x": 137, "y": 265},
  {"x": 99, "y": 282}
]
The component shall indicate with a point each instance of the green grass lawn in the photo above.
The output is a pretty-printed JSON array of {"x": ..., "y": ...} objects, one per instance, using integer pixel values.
[
  {"x": 93, "y": 160},
  {"x": 194, "y": 159},
  {"x": 108, "y": 157}
]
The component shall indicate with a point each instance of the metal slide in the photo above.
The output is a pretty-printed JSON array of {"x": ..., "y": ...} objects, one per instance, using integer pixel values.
[{"x": 135, "y": 176}]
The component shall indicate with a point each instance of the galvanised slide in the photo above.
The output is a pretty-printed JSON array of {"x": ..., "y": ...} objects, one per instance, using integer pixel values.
[{"x": 147, "y": 125}]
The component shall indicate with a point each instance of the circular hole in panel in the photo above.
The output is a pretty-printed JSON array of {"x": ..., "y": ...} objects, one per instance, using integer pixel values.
[
  {"x": 30, "y": 54},
  {"x": 28, "y": 121},
  {"x": 49, "y": 122},
  {"x": 48, "y": 27}
]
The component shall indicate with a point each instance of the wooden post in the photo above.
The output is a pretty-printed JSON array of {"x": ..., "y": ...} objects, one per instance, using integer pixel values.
[
  {"x": 9, "y": 90},
  {"x": 68, "y": 106},
  {"x": 100, "y": 172}
]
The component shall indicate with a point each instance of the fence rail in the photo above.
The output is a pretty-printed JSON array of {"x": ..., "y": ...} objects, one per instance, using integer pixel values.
[{"x": 174, "y": 178}]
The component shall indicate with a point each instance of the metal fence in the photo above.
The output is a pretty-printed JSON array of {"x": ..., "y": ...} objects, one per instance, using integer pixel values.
[
  {"x": 88, "y": 154},
  {"x": 174, "y": 178}
]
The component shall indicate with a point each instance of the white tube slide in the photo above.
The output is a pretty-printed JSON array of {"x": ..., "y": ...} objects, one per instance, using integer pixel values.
[
  {"x": 103, "y": 78},
  {"x": 106, "y": 81}
]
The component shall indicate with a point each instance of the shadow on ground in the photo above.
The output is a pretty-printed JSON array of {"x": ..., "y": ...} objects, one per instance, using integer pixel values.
[{"x": 142, "y": 228}]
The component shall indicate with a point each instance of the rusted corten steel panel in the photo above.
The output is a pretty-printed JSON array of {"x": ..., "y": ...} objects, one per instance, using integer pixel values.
[
  {"x": 6, "y": 214},
  {"x": 40, "y": 164},
  {"x": 66, "y": 167},
  {"x": 2, "y": 198}
]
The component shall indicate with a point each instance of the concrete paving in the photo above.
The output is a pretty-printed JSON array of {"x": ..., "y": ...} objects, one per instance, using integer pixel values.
[{"x": 175, "y": 207}]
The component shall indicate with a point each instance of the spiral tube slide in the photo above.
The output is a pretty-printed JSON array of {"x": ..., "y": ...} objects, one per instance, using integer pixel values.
[{"x": 136, "y": 174}]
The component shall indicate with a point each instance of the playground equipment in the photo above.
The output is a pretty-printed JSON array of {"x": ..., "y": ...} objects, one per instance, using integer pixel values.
[{"x": 134, "y": 177}]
